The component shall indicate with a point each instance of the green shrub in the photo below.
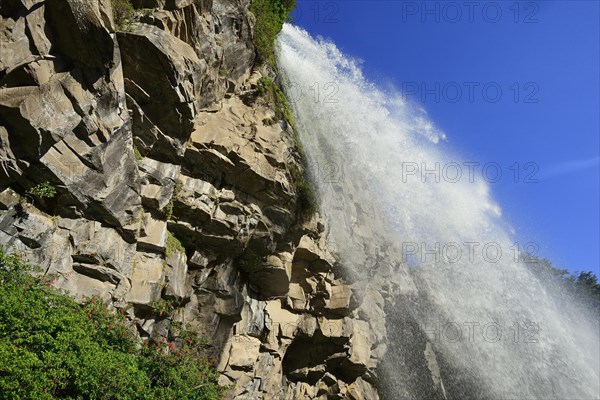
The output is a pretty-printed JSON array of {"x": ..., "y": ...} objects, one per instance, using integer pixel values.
[
  {"x": 123, "y": 13},
  {"x": 43, "y": 190},
  {"x": 163, "y": 307},
  {"x": 307, "y": 202},
  {"x": 270, "y": 16},
  {"x": 51, "y": 347}
]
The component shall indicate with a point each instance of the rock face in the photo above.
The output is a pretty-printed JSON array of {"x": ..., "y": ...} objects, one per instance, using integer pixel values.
[{"x": 171, "y": 188}]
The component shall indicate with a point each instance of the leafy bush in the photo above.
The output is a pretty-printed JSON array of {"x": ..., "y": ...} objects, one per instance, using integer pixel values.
[
  {"x": 123, "y": 13},
  {"x": 43, "y": 190},
  {"x": 270, "y": 16},
  {"x": 52, "y": 347},
  {"x": 163, "y": 307}
]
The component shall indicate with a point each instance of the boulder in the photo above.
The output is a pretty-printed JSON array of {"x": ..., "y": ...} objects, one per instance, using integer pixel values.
[
  {"x": 296, "y": 297},
  {"x": 314, "y": 253},
  {"x": 360, "y": 390},
  {"x": 15, "y": 8},
  {"x": 231, "y": 146},
  {"x": 273, "y": 278}
]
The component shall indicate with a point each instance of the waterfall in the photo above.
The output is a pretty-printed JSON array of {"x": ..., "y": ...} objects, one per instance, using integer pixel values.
[{"x": 398, "y": 209}]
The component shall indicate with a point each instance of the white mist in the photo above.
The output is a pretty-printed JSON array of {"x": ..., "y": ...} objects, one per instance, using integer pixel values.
[{"x": 362, "y": 143}]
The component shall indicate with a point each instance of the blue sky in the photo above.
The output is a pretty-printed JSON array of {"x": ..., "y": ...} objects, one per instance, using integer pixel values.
[{"x": 509, "y": 82}]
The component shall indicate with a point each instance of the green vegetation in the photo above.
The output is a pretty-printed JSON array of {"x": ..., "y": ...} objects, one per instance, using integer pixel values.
[
  {"x": 270, "y": 16},
  {"x": 273, "y": 94},
  {"x": 250, "y": 262},
  {"x": 123, "y": 13},
  {"x": 582, "y": 288},
  {"x": 168, "y": 209},
  {"x": 173, "y": 245},
  {"x": 163, "y": 307},
  {"x": 43, "y": 190},
  {"x": 307, "y": 203},
  {"x": 136, "y": 153},
  {"x": 51, "y": 347}
]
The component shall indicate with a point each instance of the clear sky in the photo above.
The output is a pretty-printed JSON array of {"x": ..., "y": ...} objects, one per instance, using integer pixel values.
[{"x": 508, "y": 82}]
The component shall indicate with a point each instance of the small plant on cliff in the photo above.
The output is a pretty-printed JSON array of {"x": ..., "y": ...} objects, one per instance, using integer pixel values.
[
  {"x": 270, "y": 16},
  {"x": 43, "y": 190},
  {"x": 136, "y": 154},
  {"x": 168, "y": 209},
  {"x": 173, "y": 245},
  {"x": 123, "y": 13},
  {"x": 51, "y": 347},
  {"x": 250, "y": 262},
  {"x": 273, "y": 94},
  {"x": 307, "y": 203},
  {"x": 163, "y": 307}
]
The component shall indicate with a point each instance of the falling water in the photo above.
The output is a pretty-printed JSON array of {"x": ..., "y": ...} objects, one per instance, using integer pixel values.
[{"x": 373, "y": 158}]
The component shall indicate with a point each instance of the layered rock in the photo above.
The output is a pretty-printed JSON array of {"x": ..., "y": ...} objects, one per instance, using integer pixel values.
[{"x": 173, "y": 191}]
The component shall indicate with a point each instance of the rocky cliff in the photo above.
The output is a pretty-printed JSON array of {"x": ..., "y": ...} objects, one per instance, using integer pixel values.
[{"x": 142, "y": 164}]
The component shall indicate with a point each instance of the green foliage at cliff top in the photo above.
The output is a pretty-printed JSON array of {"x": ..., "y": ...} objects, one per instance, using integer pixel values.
[
  {"x": 581, "y": 288},
  {"x": 270, "y": 16},
  {"x": 51, "y": 347},
  {"x": 123, "y": 12}
]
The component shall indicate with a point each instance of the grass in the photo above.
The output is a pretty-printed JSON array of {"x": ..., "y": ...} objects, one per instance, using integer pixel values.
[
  {"x": 173, "y": 245},
  {"x": 270, "y": 16},
  {"x": 136, "y": 154}
]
